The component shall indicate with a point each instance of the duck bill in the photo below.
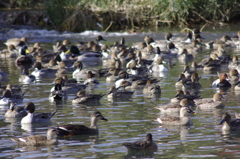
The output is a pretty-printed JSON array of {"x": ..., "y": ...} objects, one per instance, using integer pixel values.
[
  {"x": 67, "y": 52},
  {"x": 27, "y": 51},
  {"x": 222, "y": 121},
  {"x": 102, "y": 118}
]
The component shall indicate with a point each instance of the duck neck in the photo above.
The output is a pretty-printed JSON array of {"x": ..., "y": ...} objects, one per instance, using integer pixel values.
[
  {"x": 226, "y": 126},
  {"x": 93, "y": 123},
  {"x": 28, "y": 118}
]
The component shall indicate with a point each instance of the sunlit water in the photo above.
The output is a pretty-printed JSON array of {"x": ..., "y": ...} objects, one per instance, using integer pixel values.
[{"x": 127, "y": 120}]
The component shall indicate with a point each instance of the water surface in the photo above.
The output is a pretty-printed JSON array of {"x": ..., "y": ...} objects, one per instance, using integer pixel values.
[{"x": 127, "y": 120}]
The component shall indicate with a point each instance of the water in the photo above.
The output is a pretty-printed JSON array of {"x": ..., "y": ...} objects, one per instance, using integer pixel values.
[{"x": 127, "y": 120}]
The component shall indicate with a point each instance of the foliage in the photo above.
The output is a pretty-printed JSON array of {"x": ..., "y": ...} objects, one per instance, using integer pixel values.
[{"x": 79, "y": 15}]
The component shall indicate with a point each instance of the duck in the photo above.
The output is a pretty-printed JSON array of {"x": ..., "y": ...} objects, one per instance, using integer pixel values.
[
  {"x": 175, "y": 107},
  {"x": 178, "y": 97},
  {"x": 233, "y": 76},
  {"x": 58, "y": 45},
  {"x": 24, "y": 59},
  {"x": 8, "y": 97},
  {"x": 187, "y": 72},
  {"x": 183, "y": 120},
  {"x": 158, "y": 66},
  {"x": 62, "y": 69},
  {"x": 234, "y": 64},
  {"x": 90, "y": 79},
  {"x": 75, "y": 129},
  {"x": 123, "y": 75},
  {"x": 71, "y": 86},
  {"x": 229, "y": 124},
  {"x": 32, "y": 117},
  {"x": 26, "y": 78},
  {"x": 185, "y": 57},
  {"x": 16, "y": 41},
  {"x": 147, "y": 144},
  {"x": 112, "y": 74},
  {"x": 83, "y": 98},
  {"x": 164, "y": 54},
  {"x": 10, "y": 52},
  {"x": 114, "y": 93},
  {"x": 222, "y": 41},
  {"x": 195, "y": 81},
  {"x": 222, "y": 81},
  {"x": 38, "y": 140},
  {"x": 183, "y": 83},
  {"x": 15, "y": 112},
  {"x": 90, "y": 57},
  {"x": 57, "y": 93},
  {"x": 15, "y": 89},
  {"x": 211, "y": 65},
  {"x": 42, "y": 73},
  {"x": 210, "y": 103},
  {"x": 151, "y": 89}
]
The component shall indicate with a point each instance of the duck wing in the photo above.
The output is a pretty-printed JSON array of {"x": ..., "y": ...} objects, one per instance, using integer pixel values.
[{"x": 71, "y": 129}]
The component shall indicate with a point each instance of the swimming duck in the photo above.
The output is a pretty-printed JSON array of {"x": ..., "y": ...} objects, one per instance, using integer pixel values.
[
  {"x": 222, "y": 41},
  {"x": 229, "y": 124},
  {"x": 185, "y": 57},
  {"x": 38, "y": 140},
  {"x": 8, "y": 97},
  {"x": 71, "y": 129},
  {"x": 187, "y": 72},
  {"x": 152, "y": 89},
  {"x": 114, "y": 93},
  {"x": 59, "y": 44},
  {"x": 83, "y": 98},
  {"x": 175, "y": 107},
  {"x": 58, "y": 93},
  {"x": 25, "y": 78},
  {"x": 233, "y": 76},
  {"x": 178, "y": 97},
  {"x": 15, "y": 89},
  {"x": 158, "y": 65},
  {"x": 112, "y": 74},
  {"x": 16, "y": 41},
  {"x": 89, "y": 56},
  {"x": 40, "y": 72},
  {"x": 62, "y": 69},
  {"x": 195, "y": 81},
  {"x": 210, "y": 103},
  {"x": 71, "y": 86},
  {"x": 24, "y": 59},
  {"x": 222, "y": 82},
  {"x": 123, "y": 75},
  {"x": 35, "y": 117},
  {"x": 90, "y": 79},
  {"x": 234, "y": 64},
  {"x": 147, "y": 144},
  {"x": 15, "y": 112},
  {"x": 10, "y": 52},
  {"x": 183, "y": 120},
  {"x": 183, "y": 83}
]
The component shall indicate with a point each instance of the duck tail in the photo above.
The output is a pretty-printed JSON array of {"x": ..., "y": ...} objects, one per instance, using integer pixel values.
[{"x": 54, "y": 113}]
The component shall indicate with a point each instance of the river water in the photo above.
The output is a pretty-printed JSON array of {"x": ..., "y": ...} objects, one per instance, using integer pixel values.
[{"x": 127, "y": 120}]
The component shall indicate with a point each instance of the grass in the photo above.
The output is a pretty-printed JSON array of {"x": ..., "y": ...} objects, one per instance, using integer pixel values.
[{"x": 79, "y": 15}]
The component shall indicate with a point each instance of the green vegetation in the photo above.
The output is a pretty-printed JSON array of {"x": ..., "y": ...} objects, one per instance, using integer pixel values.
[{"x": 79, "y": 15}]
